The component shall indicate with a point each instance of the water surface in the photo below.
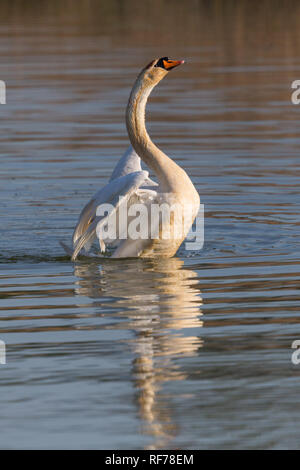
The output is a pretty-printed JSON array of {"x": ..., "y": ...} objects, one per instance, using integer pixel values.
[{"x": 191, "y": 352}]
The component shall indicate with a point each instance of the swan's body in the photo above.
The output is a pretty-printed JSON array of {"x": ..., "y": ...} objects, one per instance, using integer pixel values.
[{"x": 133, "y": 184}]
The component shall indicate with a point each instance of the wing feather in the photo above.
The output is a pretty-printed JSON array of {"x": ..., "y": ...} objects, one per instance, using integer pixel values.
[{"x": 116, "y": 192}]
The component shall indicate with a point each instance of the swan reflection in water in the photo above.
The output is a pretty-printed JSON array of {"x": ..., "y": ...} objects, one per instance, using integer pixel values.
[{"x": 160, "y": 301}]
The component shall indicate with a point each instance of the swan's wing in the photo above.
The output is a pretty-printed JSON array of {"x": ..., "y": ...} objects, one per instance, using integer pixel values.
[
  {"x": 104, "y": 195},
  {"x": 129, "y": 163},
  {"x": 116, "y": 192},
  {"x": 87, "y": 214},
  {"x": 100, "y": 197},
  {"x": 126, "y": 165}
]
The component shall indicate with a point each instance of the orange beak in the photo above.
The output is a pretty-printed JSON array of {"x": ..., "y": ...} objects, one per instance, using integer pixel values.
[{"x": 171, "y": 64}]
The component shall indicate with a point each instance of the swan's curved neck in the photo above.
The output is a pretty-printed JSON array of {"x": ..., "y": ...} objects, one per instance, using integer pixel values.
[{"x": 164, "y": 168}]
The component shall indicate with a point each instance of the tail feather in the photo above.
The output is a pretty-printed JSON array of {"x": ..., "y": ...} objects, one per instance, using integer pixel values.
[
  {"x": 67, "y": 249},
  {"x": 83, "y": 240}
]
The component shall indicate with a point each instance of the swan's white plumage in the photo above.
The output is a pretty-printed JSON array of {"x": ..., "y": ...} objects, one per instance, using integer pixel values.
[
  {"x": 129, "y": 163},
  {"x": 117, "y": 192},
  {"x": 133, "y": 184}
]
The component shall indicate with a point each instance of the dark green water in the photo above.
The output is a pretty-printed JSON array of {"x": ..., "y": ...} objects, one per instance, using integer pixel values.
[{"x": 191, "y": 352}]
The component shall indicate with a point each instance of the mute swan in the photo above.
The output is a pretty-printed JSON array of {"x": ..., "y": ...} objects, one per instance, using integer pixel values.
[{"x": 130, "y": 184}]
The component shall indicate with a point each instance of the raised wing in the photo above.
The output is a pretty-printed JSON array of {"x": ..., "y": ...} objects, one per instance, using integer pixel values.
[
  {"x": 116, "y": 192},
  {"x": 129, "y": 163}
]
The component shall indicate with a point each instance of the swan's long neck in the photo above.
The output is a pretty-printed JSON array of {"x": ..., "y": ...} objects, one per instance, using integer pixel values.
[{"x": 167, "y": 171}]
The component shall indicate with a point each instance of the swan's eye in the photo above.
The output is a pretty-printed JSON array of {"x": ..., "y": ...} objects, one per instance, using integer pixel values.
[{"x": 161, "y": 62}]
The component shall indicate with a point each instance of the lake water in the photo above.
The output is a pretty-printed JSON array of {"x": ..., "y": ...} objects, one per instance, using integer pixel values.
[{"x": 192, "y": 352}]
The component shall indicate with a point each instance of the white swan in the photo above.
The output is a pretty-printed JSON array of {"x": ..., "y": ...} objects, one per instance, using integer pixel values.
[{"x": 133, "y": 184}]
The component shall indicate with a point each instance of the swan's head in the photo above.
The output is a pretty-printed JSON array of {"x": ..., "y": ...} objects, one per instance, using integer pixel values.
[{"x": 158, "y": 69}]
